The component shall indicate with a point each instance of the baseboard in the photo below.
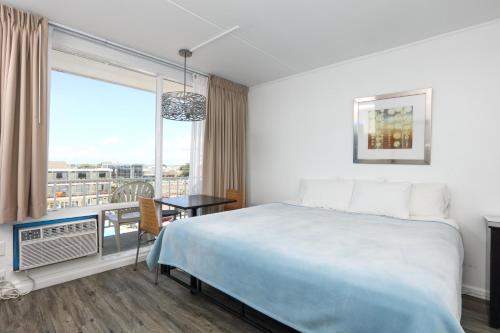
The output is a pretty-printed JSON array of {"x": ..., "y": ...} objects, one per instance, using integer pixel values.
[
  {"x": 76, "y": 269},
  {"x": 475, "y": 292}
]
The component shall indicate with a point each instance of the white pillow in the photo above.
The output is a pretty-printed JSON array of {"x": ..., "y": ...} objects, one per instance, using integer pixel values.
[
  {"x": 381, "y": 198},
  {"x": 429, "y": 200},
  {"x": 326, "y": 193}
]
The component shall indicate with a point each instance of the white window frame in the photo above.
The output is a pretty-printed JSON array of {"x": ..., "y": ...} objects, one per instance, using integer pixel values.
[{"x": 86, "y": 47}]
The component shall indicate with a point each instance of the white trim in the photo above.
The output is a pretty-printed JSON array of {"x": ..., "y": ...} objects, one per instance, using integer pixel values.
[
  {"x": 158, "y": 138},
  {"x": 76, "y": 269},
  {"x": 79, "y": 268},
  {"x": 475, "y": 292},
  {"x": 376, "y": 54},
  {"x": 49, "y": 86},
  {"x": 63, "y": 213}
]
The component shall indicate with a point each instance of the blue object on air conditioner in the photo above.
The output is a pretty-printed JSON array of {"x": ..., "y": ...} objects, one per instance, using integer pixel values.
[{"x": 42, "y": 243}]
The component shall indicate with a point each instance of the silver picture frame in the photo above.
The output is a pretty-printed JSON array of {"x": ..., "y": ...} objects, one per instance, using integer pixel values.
[{"x": 426, "y": 160}]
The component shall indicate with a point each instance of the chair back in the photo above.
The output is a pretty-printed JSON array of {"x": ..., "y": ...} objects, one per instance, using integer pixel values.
[
  {"x": 130, "y": 192},
  {"x": 235, "y": 195},
  {"x": 149, "y": 219}
]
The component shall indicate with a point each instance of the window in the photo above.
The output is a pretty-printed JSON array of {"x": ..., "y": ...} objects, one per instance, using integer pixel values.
[
  {"x": 104, "y": 129},
  {"x": 176, "y": 150},
  {"x": 103, "y": 121},
  {"x": 99, "y": 113}
]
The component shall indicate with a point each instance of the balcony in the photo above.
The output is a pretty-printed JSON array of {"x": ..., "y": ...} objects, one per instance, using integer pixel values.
[
  {"x": 92, "y": 192},
  {"x": 97, "y": 191}
]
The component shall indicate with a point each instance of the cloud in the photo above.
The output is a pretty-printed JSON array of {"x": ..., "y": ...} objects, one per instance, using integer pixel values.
[
  {"x": 112, "y": 140},
  {"x": 177, "y": 151},
  {"x": 73, "y": 154},
  {"x": 128, "y": 149}
]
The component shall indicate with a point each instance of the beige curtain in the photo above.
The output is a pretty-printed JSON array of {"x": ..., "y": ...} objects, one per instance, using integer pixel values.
[
  {"x": 23, "y": 115},
  {"x": 225, "y": 137}
]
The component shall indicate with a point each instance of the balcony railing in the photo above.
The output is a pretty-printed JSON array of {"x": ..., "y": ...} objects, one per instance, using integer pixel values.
[{"x": 92, "y": 192}]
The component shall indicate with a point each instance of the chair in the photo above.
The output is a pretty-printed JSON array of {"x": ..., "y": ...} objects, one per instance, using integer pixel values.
[
  {"x": 129, "y": 192},
  {"x": 236, "y": 195},
  {"x": 170, "y": 213},
  {"x": 148, "y": 224}
]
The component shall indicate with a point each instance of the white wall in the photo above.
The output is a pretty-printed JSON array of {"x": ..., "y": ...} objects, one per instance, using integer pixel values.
[{"x": 302, "y": 126}]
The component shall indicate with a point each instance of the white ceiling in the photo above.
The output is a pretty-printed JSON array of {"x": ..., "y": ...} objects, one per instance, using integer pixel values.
[{"x": 276, "y": 38}]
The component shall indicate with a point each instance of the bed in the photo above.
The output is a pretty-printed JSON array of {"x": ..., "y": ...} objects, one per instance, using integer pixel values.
[{"x": 324, "y": 270}]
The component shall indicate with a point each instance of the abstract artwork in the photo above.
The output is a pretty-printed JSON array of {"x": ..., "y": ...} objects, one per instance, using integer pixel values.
[
  {"x": 390, "y": 128},
  {"x": 393, "y": 128}
]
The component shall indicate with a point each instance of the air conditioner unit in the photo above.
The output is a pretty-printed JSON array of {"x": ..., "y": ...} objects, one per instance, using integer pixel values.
[{"x": 48, "y": 242}]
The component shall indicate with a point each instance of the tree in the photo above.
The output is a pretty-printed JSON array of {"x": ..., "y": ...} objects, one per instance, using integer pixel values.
[
  {"x": 87, "y": 166},
  {"x": 184, "y": 170}
]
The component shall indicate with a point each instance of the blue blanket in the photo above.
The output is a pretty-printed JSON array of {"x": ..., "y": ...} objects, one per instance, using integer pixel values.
[{"x": 319, "y": 270}]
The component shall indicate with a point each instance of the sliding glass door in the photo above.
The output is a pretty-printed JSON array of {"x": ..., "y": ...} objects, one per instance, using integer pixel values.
[
  {"x": 106, "y": 134},
  {"x": 102, "y": 131},
  {"x": 176, "y": 150}
]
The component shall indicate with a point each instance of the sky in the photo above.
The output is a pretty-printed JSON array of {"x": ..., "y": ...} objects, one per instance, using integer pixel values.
[{"x": 92, "y": 121}]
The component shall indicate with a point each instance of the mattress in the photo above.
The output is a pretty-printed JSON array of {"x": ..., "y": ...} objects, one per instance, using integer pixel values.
[{"x": 319, "y": 270}]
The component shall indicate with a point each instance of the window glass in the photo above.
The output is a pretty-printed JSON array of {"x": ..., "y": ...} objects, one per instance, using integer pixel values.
[
  {"x": 101, "y": 131},
  {"x": 176, "y": 150}
]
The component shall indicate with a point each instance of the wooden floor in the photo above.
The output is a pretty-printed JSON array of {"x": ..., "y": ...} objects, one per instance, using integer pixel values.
[{"x": 122, "y": 300}]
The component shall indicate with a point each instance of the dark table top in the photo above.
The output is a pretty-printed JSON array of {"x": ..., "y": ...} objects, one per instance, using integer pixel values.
[{"x": 194, "y": 201}]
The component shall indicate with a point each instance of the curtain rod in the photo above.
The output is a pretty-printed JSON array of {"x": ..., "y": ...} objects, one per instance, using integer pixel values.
[{"x": 121, "y": 47}]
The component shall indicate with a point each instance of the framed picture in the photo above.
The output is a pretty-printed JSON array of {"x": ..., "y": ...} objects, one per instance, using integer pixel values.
[{"x": 393, "y": 128}]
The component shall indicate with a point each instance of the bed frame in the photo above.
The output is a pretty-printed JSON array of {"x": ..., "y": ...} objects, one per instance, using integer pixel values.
[{"x": 195, "y": 287}]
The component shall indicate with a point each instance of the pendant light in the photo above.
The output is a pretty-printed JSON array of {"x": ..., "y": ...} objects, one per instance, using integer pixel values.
[{"x": 184, "y": 105}]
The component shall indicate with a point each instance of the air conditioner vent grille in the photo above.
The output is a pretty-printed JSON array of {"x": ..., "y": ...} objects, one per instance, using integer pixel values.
[
  {"x": 58, "y": 242},
  {"x": 69, "y": 228}
]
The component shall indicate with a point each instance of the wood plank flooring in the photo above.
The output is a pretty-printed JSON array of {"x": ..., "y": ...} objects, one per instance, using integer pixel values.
[{"x": 122, "y": 300}]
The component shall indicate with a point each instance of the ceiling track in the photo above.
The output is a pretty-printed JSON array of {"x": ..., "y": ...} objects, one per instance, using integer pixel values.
[
  {"x": 213, "y": 39},
  {"x": 122, "y": 48},
  {"x": 201, "y": 18}
]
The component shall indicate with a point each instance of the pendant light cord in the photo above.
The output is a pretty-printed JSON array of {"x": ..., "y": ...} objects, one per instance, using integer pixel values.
[{"x": 185, "y": 57}]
